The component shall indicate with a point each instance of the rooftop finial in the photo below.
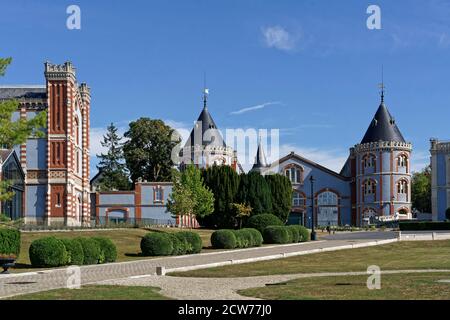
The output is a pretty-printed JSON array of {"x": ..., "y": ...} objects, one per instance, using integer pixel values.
[
  {"x": 205, "y": 91},
  {"x": 382, "y": 84}
]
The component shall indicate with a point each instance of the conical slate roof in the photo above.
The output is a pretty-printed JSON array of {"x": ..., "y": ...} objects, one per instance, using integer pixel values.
[
  {"x": 205, "y": 130},
  {"x": 260, "y": 159},
  {"x": 382, "y": 127}
]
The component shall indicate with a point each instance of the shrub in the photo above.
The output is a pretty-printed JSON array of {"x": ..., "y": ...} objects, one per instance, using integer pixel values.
[
  {"x": 108, "y": 249},
  {"x": 223, "y": 239},
  {"x": 261, "y": 221},
  {"x": 303, "y": 233},
  {"x": 295, "y": 233},
  {"x": 9, "y": 242},
  {"x": 256, "y": 236},
  {"x": 74, "y": 250},
  {"x": 183, "y": 245},
  {"x": 178, "y": 244},
  {"x": 243, "y": 238},
  {"x": 423, "y": 225},
  {"x": 193, "y": 240},
  {"x": 276, "y": 235},
  {"x": 92, "y": 253},
  {"x": 48, "y": 252},
  {"x": 157, "y": 244}
]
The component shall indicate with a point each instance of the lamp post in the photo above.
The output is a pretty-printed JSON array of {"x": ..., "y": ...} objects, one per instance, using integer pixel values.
[{"x": 313, "y": 232}]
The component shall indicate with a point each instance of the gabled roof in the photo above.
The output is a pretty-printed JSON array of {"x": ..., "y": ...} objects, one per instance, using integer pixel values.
[
  {"x": 23, "y": 92},
  {"x": 293, "y": 155},
  {"x": 382, "y": 127},
  {"x": 6, "y": 154}
]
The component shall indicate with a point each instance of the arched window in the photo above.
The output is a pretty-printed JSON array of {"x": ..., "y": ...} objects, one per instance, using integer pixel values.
[
  {"x": 369, "y": 161},
  {"x": 327, "y": 209},
  {"x": 402, "y": 161},
  {"x": 369, "y": 187},
  {"x": 402, "y": 186},
  {"x": 294, "y": 173},
  {"x": 76, "y": 131},
  {"x": 298, "y": 199}
]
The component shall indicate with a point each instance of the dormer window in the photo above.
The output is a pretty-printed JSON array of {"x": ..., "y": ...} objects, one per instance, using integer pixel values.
[{"x": 294, "y": 173}]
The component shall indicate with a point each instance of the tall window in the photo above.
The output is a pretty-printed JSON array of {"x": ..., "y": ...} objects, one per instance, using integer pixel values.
[
  {"x": 402, "y": 161},
  {"x": 369, "y": 187},
  {"x": 297, "y": 199},
  {"x": 294, "y": 173},
  {"x": 327, "y": 209},
  {"x": 369, "y": 161},
  {"x": 158, "y": 194},
  {"x": 402, "y": 187}
]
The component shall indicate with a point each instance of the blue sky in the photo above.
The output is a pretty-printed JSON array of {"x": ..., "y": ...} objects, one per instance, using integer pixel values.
[{"x": 309, "y": 68}]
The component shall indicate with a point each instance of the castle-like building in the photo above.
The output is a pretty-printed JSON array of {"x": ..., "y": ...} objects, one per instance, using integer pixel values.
[
  {"x": 373, "y": 185},
  {"x": 51, "y": 174}
]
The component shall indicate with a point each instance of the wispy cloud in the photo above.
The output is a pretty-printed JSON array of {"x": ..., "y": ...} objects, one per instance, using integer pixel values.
[
  {"x": 257, "y": 107},
  {"x": 279, "y": 38}
]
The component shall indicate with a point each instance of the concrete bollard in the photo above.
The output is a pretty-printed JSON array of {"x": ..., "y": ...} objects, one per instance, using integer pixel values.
[
  {"x": 434, "y": 236},
  {"x": 160, "y": 271}
]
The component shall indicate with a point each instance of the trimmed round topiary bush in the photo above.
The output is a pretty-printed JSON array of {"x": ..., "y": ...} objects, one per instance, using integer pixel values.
[
  {"x": 243, "y": 239},
  {"x": 295, "y": 233},
  {"x": 304, "y": 234},
  {"x": 75, "y": 255},
  {"x": 261, "y": 221},
  {"x": 48, "y": 252},
  {"x": 276, "y": 235},
  {"x": 183, "y": 245},
  {"x": 92, "y": 253},
  {"x": 179, "y": 245},
  {"x": 256, "y": 236},
  {"x": 223, "y": 239},
  {"x": 157, "y": 244},
  {"x": 9, "y": 242},
  {"x": 108, "y": 249},
  {"x": 194, "y": 241}
]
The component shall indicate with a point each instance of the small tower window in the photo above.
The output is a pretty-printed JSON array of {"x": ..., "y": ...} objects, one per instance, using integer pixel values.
[
  {"x": 369, "y": 187},
  {"x": 369, "y": 161},
  {"x": 402, "y": 187},
  {"x": 402, "y": 161}
]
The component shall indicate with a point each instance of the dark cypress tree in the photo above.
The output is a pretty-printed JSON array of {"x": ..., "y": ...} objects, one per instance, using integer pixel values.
[
  {"x": 223, "y": 181},
  {"x": 112, "y": 167},
  {"x": 254, "y": 191},
  {"x": 281, "y": 191}
]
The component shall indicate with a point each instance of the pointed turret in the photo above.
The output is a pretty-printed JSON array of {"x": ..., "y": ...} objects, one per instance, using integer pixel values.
[
  {"x": 382, "y": 127},
  {"x": 260, "y": 160}
]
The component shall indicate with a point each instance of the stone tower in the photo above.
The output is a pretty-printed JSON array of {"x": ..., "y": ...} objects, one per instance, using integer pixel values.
[{"x": 382, "y": 177}]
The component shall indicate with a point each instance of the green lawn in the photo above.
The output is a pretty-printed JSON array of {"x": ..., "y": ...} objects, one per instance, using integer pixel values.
[
  {"x": 393, "y": 287},
  {"x": 97, "y": 292},
  {"x": 396, "y": 256},
  {"x": 127, "y": 242}
]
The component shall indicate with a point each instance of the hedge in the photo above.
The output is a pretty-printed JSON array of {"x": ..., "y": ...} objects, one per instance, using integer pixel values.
[
  {"x": 108, "y": 250},
  {"x": 74, "y": 250},
  {"x": 92, "y": 253},
  {"x": 48, "y": 252},
  {"x": 423, "y": 225},
  {"x": 179, "y": 244},
  {"x": 261, "y": 221},
  {"x": 276, "y": 235},
  {"x": 303, "y": 233},
  {"x": 223, "y": 239},
  {"x": 194, "y": 242},
  {"x": 256, "y": 236},
  {"x": 157, "y": 244},
  {"x": 9, "y": 242},
  {"x": 295, "y": 233}
]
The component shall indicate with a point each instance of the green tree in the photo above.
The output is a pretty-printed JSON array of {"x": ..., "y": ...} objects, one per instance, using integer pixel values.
[
  {"x": 223, "y": 181},
  {"x": 16, "y": 132},
  {"x": 148, "y": 151},
  {"x": 255, "y": 191},
  {"x": 241, "y": 211},
  {"x": 112, "y": 167},
  {"x": 421, "y": 190},
  {"x": 189, "y": 195},
  {"x": 281, "y": 192}
]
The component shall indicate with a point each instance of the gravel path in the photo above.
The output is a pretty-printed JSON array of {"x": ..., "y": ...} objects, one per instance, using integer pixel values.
[{"x": 226, "y": 288}]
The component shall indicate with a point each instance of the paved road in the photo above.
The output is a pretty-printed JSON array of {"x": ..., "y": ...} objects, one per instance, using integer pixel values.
[
  {"x": 15, "y": 284},
  {"x": 226, "y": 288},
  {"x": 363, "y": 235}
]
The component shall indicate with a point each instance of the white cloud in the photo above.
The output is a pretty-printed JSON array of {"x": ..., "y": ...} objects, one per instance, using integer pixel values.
[
  {"x": 279, "y": 38},
  {"x": 253, "y": 108}
]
